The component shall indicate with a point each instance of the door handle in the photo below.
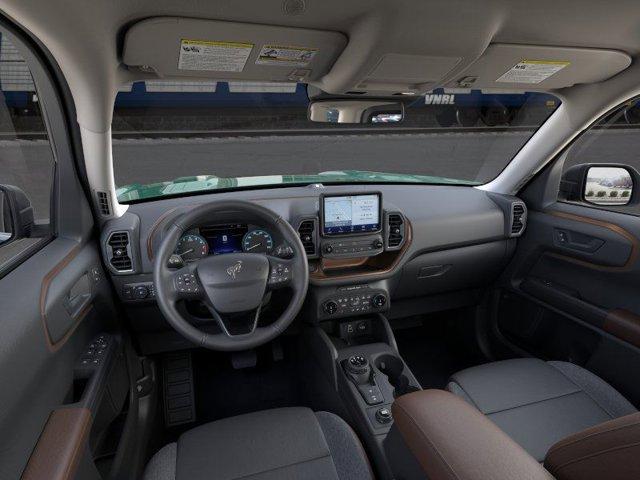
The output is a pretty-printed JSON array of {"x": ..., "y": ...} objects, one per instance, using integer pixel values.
[
  {"x": 79, "y": 296},
  {"x": 576, "y": 240}
]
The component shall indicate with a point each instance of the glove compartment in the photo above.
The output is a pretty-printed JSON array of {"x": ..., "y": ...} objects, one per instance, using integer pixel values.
[{"x": 453, "y": 269}]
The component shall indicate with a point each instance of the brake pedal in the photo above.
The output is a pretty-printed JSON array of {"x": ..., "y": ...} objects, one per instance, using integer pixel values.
[
  {"x": 277, "y": 353},
  {"x": 179, "y": 400}
]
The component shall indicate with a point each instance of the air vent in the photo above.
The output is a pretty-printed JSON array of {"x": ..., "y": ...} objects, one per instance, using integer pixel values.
[
  {"x": 103, "y": 203},
  {"x": 395, "y": 229},
  {"x": 518, "y": 215},
  {"x": 306, "y": 230},
  {"x": 118, "y": 251}
]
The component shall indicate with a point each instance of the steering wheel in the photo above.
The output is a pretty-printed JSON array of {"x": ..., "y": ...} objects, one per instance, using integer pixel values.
[{"x": 232, "y": 286}]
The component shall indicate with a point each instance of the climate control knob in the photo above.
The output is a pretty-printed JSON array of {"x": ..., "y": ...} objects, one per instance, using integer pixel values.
[
  {"x": 330, "y": 307},
  {"x": 379, "y": 300}
]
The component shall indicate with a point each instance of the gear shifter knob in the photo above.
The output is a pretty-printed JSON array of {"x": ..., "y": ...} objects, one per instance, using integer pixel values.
[{"x": 359, "y": 368}]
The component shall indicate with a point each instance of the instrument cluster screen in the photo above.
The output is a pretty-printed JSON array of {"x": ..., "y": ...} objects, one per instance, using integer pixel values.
[
  {"x": 224, "y": 238},
  {"x": 347, "y": 214}
]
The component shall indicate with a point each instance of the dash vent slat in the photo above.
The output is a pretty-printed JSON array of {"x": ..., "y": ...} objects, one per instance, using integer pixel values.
[
  {"x": 118, "y": 250},
  {"x": 306, "y": 231},
  {"x": 395, "y": 229},
  {"x": 518, "y": 218}
]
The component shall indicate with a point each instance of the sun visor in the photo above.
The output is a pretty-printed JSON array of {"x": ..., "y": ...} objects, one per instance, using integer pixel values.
[
  {"x": 182, "y": 47},
  {"x": 529, "y": 67}
]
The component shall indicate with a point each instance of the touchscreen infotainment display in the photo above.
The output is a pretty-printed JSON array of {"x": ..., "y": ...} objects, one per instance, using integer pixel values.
[{"x": 351, "y": 214}]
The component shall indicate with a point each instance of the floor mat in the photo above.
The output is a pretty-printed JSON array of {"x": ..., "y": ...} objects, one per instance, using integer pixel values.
[
  {"x": 433, "y": 352},
  {"x": 222, "y": 391}
]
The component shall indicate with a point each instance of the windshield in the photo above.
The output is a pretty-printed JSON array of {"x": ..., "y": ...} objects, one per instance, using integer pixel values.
[{"x": 173, "y": 138}]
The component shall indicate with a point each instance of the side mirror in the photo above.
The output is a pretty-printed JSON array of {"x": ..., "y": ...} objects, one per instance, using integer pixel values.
[
  {"x": 356, "y": 111},
  {"x": 605, "y": 185},
  {"x": 16, "y": 214}
]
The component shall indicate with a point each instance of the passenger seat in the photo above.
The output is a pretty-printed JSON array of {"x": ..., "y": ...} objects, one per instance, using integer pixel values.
[{"x": 538, "y": 403}]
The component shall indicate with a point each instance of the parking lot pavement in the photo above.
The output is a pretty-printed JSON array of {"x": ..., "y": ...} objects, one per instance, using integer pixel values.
[
  {"x": 476, "y": 155},
  {"x": 464, "y": 155}
]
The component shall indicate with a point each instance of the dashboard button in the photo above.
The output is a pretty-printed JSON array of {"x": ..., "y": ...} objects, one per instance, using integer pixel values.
[
  {"x": 140, "y": 292},
  {"x": 127, "y": 292},
  {"x": 379, "y": 301},
  {"x": 330, "y": 307},
  {"x": 383, "y": 415}
]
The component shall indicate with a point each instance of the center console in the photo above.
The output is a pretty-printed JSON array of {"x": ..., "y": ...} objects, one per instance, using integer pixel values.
[
  {"x": 366, "y": 373},
  {"x": 354, "y": 247}
]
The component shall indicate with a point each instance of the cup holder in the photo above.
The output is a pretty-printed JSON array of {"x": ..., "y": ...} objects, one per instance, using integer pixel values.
[{"x": 393, "y": 368}]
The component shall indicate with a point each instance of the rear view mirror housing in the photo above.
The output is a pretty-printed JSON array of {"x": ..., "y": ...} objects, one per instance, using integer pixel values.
[
  {"x": 601, "y": 184},
  {"x": 356, "y": 111},
  {"x": 16, "y": 214}
]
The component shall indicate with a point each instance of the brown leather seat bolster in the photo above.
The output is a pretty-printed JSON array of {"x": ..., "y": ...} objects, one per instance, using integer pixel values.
[
  {"x": 452, "y": 440},
  {"x": 609, "y": 450}
]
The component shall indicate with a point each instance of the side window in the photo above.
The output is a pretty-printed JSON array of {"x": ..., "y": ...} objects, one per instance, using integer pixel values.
[
  {"x": 27, "y": 165},
  {"x": 601, "y": 168}
]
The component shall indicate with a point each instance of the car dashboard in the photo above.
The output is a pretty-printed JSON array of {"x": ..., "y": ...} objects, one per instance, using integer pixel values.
[{"x": 421, "y": 248}]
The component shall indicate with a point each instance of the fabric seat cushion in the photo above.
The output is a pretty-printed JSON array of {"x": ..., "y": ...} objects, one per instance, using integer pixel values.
[
  {"x": 538, "y": 403},
  {"x": 285, "y": 443}
]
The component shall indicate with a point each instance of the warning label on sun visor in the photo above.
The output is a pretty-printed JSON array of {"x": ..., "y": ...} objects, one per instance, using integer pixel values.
[
  {"x": 532, "y": 71},
  {"x": 285, "y": 55},
  {"x": 213, "y": 56}
]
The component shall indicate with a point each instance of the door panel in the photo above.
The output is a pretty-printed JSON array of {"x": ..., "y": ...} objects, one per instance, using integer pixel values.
[
  {"x": 572, "y": 291},
  {"x": 68, "y": 292},
  {"x": 60, "y": 389},
  {"x": 37, "y": 367}
]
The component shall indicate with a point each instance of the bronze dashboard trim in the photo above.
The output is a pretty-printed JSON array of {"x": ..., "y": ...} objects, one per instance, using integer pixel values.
[
  {"x": 376, "y": 264},
  {"x": 635, "y": 243}
]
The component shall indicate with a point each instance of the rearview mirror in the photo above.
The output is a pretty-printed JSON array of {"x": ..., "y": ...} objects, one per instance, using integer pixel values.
[
  {"x": 356, "y": 111},
  {"x": 608, "y": 186}
]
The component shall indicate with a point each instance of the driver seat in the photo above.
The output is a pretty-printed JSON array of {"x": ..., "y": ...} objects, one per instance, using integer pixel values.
[{"x": 283, "y": 443}]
